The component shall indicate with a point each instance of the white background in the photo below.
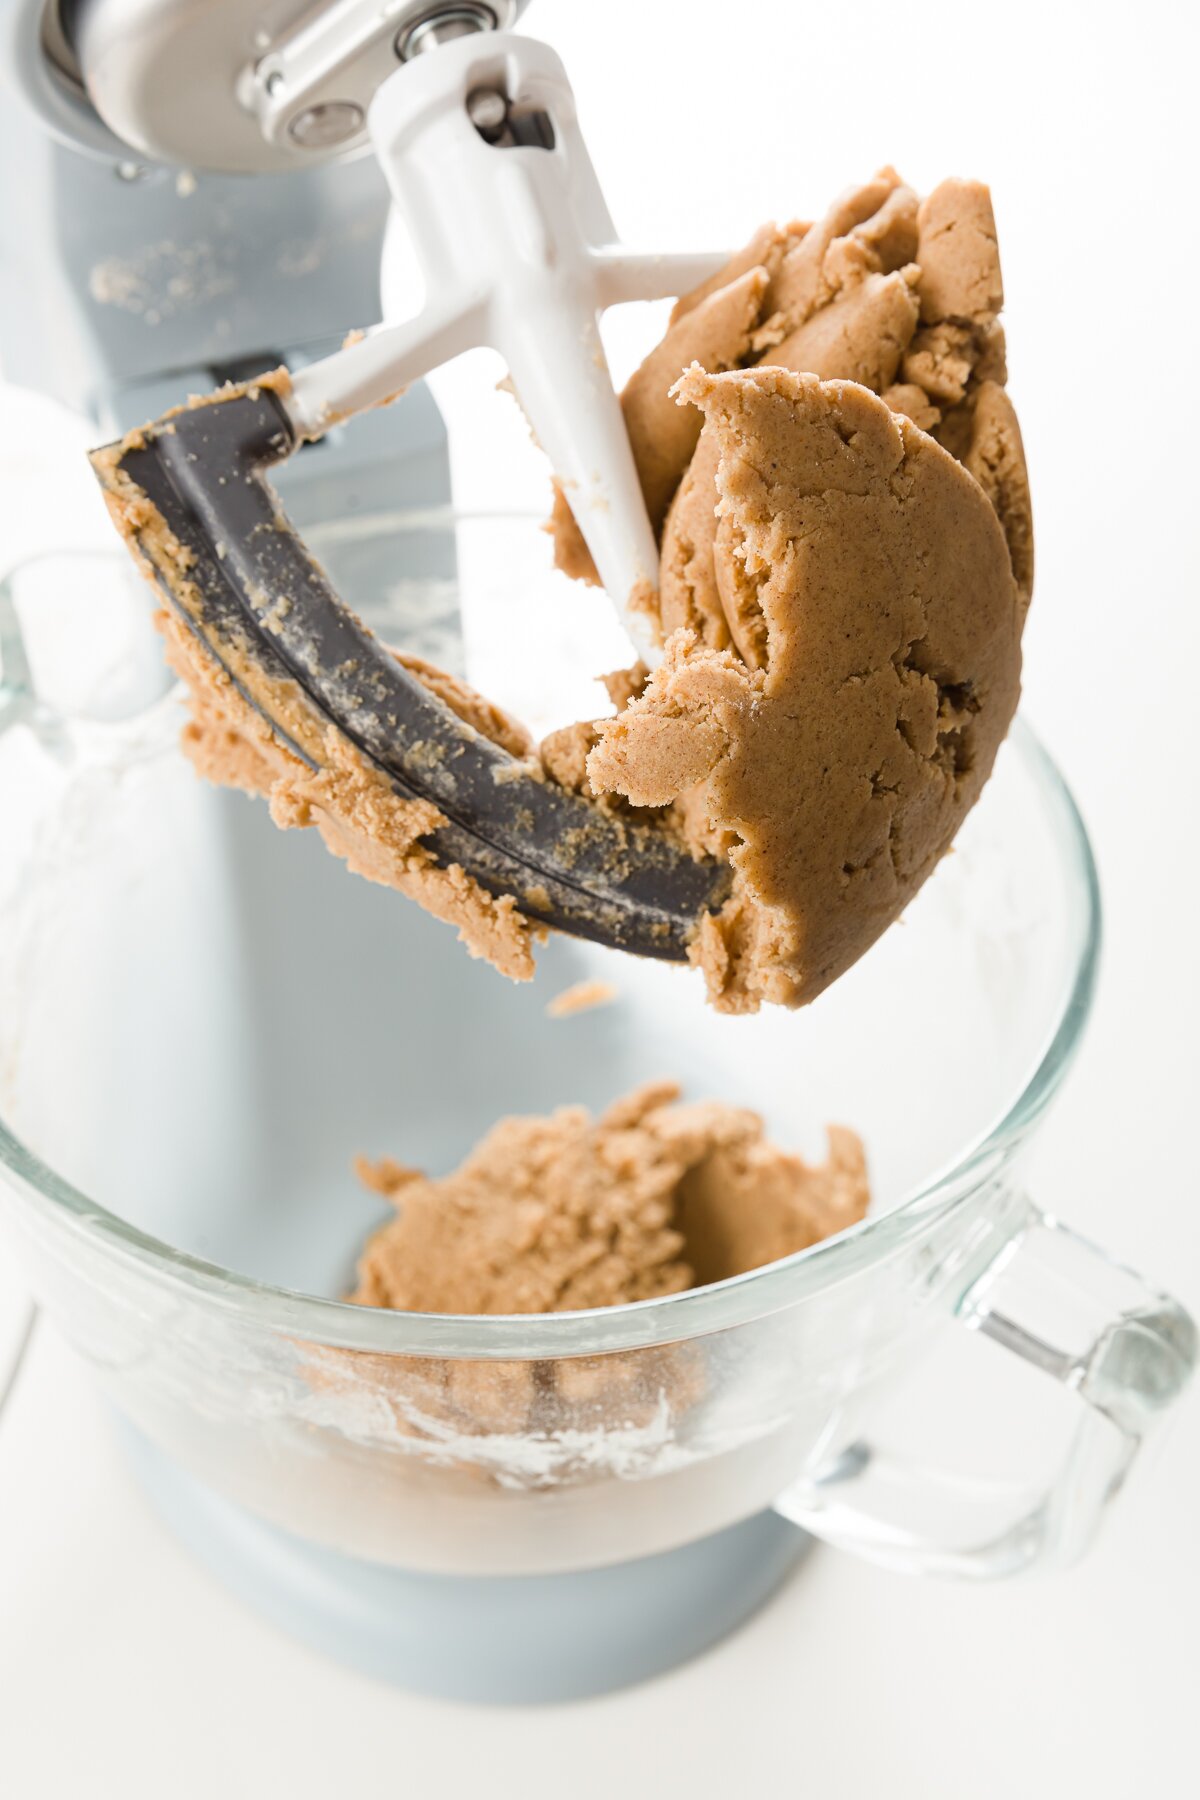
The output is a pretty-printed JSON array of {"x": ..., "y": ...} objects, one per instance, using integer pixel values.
[{"x": 123, "y": 1670}]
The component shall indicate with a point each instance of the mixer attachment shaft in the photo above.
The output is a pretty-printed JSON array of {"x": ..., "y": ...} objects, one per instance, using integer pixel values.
[{"x": 481, "y": 148}]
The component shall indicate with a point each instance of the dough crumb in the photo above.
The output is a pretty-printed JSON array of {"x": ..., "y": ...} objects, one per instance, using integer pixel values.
[
  {"x": 581, "y": 998},
  {"x": 559, "y": 1213}
]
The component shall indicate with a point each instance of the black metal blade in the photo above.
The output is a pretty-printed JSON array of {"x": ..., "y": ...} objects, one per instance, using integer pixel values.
[{"x": 255, "y": 590}]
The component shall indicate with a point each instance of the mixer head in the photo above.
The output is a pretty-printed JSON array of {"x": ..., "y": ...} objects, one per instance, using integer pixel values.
[
  {"x": 247, "y": 87},
  {"x": 482, "y": 152}
]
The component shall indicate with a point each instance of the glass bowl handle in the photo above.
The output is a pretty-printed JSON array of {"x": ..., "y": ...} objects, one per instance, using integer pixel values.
[{"x": 1063, "y": 1305}]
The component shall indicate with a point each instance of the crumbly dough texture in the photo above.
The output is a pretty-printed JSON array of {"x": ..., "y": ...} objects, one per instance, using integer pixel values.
[
  {"x": 567, "y": 1212},
  {"x": 900, "y": 295}
]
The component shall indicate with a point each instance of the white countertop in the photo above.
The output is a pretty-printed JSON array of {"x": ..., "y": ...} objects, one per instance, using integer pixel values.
[{"x": 125, "y": 1672}]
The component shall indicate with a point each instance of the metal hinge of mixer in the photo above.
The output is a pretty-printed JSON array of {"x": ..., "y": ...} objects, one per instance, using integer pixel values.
[{"x": 219, "y": 85}]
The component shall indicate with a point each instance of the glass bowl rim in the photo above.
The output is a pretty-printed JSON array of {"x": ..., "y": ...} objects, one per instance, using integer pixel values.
[{"x": 675, "y": 1317}]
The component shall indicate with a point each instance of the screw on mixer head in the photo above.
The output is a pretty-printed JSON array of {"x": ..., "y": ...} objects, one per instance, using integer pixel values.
[
  {"x": 328, "y": 123},
  {"x": 442, "y": 25}
]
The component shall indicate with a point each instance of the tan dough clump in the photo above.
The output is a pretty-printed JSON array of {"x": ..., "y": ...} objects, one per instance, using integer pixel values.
[
  {"x": 568, "y": 1212},
  {"x": 899, "y": 295},
  {"x": 870, "y": 573}
]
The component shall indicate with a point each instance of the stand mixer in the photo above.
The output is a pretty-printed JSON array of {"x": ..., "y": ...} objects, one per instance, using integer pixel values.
[
  {"x": 192, "y": 212},
  {"x": 215, "y": 214}
]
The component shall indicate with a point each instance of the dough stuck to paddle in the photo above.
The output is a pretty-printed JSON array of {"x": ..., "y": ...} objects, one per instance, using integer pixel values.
[
  {"x": 870, "y": 574},
  {"x": 846, "y": 561}
]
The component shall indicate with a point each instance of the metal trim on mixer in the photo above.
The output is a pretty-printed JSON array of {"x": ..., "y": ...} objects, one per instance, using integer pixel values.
[{"x": 197, "y": 83}]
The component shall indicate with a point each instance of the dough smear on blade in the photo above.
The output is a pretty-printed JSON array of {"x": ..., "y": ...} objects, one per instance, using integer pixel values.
[
  {"x": 872, "y": 574},
  {"x": 357, "y": 813},
  {"x": 566, "y": 1212}
]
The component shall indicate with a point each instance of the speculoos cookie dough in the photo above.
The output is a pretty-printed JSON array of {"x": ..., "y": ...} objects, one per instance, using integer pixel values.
[{"x": 565, "y": 1212}]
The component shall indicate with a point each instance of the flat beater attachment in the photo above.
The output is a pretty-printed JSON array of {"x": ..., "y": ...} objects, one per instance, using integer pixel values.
[{"x": 252, "y": 595}]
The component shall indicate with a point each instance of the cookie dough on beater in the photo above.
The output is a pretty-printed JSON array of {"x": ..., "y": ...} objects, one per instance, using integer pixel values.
[{"x": 847, "y": 390}]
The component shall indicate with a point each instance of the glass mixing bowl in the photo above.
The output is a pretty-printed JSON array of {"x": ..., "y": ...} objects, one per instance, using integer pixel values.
[{"x": 204, "y": 1019}]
